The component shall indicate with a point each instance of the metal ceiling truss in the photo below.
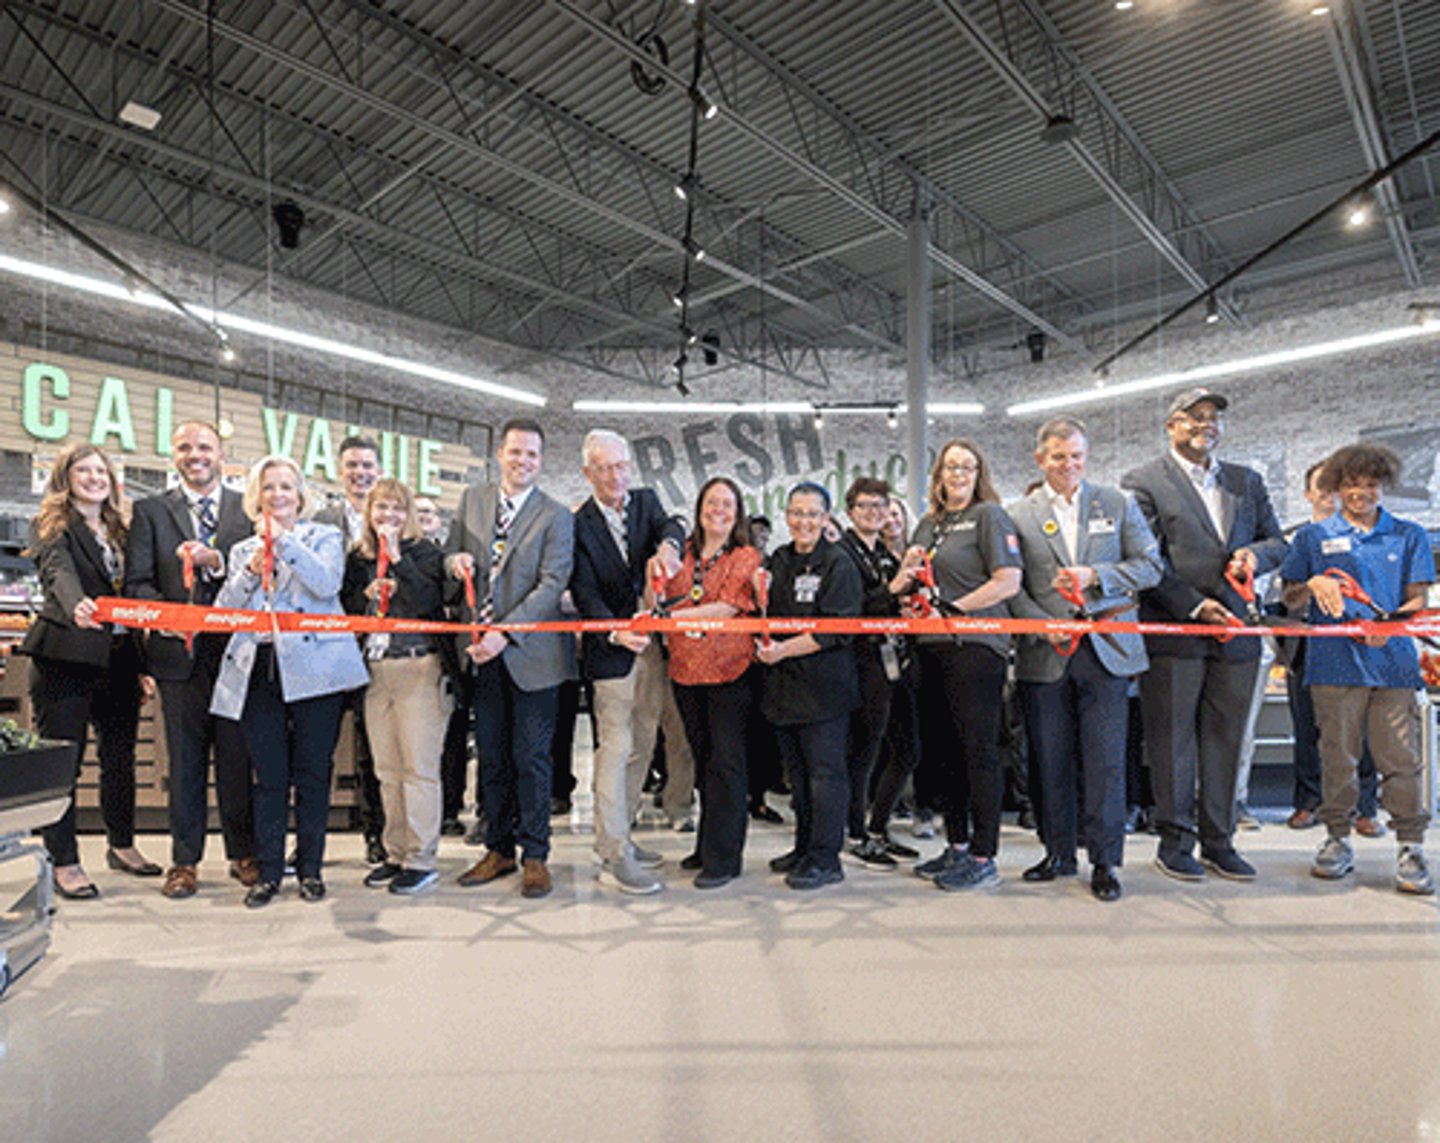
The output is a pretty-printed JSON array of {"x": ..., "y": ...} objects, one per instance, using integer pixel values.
[
  {"x": 587, "y": 181},
  {"x": 1353, "y": 52},
  {"x": 877, "y": 191},
  {"x": 1048, "y": 76},
  {"x": 562, "y": 335}
]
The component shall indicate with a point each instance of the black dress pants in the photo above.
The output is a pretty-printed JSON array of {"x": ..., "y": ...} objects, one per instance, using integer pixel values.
[
  {"x": 71, "y": 698},
  {"x": 867, "y": 732},
  {"x": 814, "y": 756},
  {"x": 717, "y": 725}
]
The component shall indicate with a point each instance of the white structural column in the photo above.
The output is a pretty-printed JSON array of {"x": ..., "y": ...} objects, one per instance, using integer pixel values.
[{"x": 917, "y": 350}]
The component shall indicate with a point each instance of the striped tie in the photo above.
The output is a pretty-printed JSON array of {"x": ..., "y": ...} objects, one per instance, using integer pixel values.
[
  {"x": 205, "y": 515},
  {"x": 504, "y": 517}
]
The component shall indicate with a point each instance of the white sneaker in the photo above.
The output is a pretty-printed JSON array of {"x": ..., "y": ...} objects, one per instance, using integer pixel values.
[
  {"x": 1412, "y": 874},
  {"x": 646, "y": 858},
  {"x": 628, "y": 877},
  {"x": 1334, "y": 860}
]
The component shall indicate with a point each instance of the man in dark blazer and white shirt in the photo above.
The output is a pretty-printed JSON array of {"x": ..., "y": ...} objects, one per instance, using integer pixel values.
[
  {"x": 205, "y": 519},
  {"x": 518, "y": 544},
  {"x": 1208, "y": 517},
  {"x": 1079, "y": 537},
  {"x": 359, "y": 469},
  {"x": 617, "y": 530}
]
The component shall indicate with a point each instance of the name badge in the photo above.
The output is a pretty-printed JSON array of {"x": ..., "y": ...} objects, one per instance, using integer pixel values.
[
  {"x": 1335, "y": 545},
  {"x": 966, "y": 526},
  {"x": 1102, "y": 527},
  {"x": 805, "y": 588}
]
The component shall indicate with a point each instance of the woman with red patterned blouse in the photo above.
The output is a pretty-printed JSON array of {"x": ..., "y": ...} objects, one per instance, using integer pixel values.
[{"x": 711, "y": 672}]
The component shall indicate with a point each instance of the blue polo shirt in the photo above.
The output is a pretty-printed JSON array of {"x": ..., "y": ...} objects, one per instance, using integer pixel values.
[{"x": 1383, "y": 560}]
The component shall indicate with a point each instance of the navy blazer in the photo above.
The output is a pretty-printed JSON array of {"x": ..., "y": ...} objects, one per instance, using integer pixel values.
[
  {"x": 71, "y": 568},
  {"x": 152, "y": 570},
  {"x": 606, "y": 585},
  {"x": 1195, "y": 555}
]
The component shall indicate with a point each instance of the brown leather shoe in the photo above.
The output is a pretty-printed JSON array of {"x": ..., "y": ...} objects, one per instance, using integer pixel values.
[
  {"x": 536, "y": 882},
  {"x": 180, "y": 881},
  {"x": 246, "y": 871},
  {"x": 1370, "y": 827},
  {"x": 1303, "y": 819},
  {"x": 489, "y": 867}
]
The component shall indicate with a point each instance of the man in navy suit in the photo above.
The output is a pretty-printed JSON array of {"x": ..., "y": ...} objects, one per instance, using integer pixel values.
[
  {"x": 617, "y": 531},
  {"x": 1092, "y": 541},
  {"x": 1209, "y": 518},
  {"x": 203, "y": 519}
]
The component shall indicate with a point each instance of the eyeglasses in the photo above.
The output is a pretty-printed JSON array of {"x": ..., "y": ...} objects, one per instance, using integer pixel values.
[
  {"x": 804, "y": 514},
  {"x": 961, "y": 469},
  {"x": 607, "y": 469}
]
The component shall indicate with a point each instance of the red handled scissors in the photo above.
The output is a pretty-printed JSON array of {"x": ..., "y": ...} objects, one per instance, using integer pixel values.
[{"x": 1350, "y": 588}]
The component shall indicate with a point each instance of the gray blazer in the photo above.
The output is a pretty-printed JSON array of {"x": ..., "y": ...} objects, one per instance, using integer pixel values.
[
  {"x": 336, "y": 516},
  {"x": 534, "y": 573},
  {"x": 309, "y": 566},
  {"x": 1114, "y": 540}
]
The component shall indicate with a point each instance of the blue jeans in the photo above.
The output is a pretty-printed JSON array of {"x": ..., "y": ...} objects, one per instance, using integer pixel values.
[{"x": 513, "y": 730}]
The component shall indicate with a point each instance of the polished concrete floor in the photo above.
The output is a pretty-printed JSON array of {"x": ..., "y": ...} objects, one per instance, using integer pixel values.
[{"x": 880, "y": 1008}]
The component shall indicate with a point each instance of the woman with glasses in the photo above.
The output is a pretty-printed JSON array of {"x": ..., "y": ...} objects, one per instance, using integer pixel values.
[
  {"x": 85, "y": 674},
  {"x": 974, "y": 551},
  {"x": 810, "y": 687}
]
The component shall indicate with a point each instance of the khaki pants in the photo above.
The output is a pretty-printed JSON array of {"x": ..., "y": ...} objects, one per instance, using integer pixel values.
[
  {"x": 406, "y": 715},
  {"x": 628, "y": 712},
  {"x": 1389, "y": 719}
]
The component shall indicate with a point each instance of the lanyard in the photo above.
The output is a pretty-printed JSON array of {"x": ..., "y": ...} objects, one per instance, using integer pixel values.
[{"x": 697, "y": 579}]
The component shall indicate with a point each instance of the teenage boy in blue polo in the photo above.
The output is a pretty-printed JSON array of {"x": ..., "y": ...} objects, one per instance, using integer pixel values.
[{"x": 1364, "y": 688}]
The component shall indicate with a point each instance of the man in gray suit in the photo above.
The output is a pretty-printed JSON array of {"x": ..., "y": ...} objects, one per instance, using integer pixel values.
[
  {"x": 518, "y": 546},
  {"x": 359, "y": 469},
  {"x": 1085, "y": 539},
  {"x": 1210, "y": 518}
]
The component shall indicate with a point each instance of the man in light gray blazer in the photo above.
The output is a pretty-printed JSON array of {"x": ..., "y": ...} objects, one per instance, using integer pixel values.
[
  {"x": 518, "y": 545},
  {"x": 1079, "y": 537}
]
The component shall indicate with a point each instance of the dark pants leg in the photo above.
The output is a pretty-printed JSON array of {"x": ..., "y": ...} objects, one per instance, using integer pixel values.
[
  {"x": 265, "y": 724},
  {"x": 191, "y": 733},
  {"x": 68, "y": 700},
  {"x": 1138, "y": 790},
  {"x": 513, "y": 730},
  {"x": 1306, "y": 755},
  {"x": 867, "y": 733},
  {"x": 562, "y": 741},
  {"x": 901, "y": 749},
  {"x": 971, "y": 683},
  {"x": 456, "y": 753},
  {"x": 371, "y": 808},
  {"x": 1193, "y": 732},
  {"x": 814, "y": 755},
  {"x": 717, "y": 726}
]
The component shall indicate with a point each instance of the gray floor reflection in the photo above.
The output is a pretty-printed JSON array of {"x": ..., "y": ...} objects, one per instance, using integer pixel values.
[{"x": 103, "y": 1050}]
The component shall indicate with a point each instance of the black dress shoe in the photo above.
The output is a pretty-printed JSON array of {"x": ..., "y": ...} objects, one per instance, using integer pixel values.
[
  {"x": 120, "y": 865},
  {"x": 559, "y": 806},
  {"x": 1048, "y": 868},
  {"x": 691, "y": 861},
  {"x": 375, "y": 851},
  {"x": 86, "y": 892},
  {"x": 261, "y": 894},
  {"x": 786, "y": 861},
  {"x": 1104, "y": 884},
  {"x": 312, "y": 889},
  {"x": 763, "y": 813},
  {"x": 713, "y": 880}
]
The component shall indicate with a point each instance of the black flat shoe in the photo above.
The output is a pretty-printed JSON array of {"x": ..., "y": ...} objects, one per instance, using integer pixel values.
[
  {"x": 120, "y": 865},
  {"x": 86, "y": 892},
  {"x": 691, "y": 861},
  {"x": 764, "y": 813},
  {"x": 1048, "y": 868},
  {"x": 786, "y": 861},
  {"x": 1104, "y": 884},
  {"x": 261, "y": 894},
  {"x": 312, "y": 889}
]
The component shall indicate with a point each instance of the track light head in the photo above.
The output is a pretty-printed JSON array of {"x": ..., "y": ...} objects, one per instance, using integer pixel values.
[
  {"x": 1212, "y": 311},
  {"x": 694, "y": 249},
  {"x": 711, "y": 342},
  {"x": 681, "y": 297},
  {"x": 707, "y": 109},
  {"x": 1035, "y": 343},
  {"x": 685, "y": 186},
  {"x": 289, "y": 219}
]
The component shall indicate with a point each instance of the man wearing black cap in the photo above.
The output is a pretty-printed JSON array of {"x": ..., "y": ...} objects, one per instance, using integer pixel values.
[{"x": 1209, "y": 518}]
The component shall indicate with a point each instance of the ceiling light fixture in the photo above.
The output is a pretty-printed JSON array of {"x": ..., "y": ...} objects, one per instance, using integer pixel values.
[
  {"x": 138, "y": 115},
  {"x": 858, "y": 408},
  {"x": 1233, "y": 368},
  {"x": 694, "y": 249},
  {"x": 4, "y": 206},
  {"x": 684, "y": 187},
  {"x": 680, "y": 297},
  {"x": 1357, "y": 215},
  {"x": 1124, "y": 5},
  {"x": 1212, "y": 311},
  {"x": 708, "y": 110},
  {"x": 239, "y": 323}
]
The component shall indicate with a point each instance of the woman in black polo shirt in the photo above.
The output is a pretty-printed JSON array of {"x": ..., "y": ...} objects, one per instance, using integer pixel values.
[
  {"x": 975, "y": 553},
  {"x": 810, "y": 687}
]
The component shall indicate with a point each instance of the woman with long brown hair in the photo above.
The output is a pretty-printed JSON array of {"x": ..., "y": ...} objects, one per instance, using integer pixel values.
[
  {"x": 84, "y": 674},
  {"x": 974, "y": 550}
]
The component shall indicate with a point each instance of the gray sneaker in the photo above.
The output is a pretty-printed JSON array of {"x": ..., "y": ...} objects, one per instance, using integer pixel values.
[
  {"x": 1412, "y": 874},
  {"x": 628, "y": 877},
  {"x": 646, "y": 858},
  {"x": 1334, "y": 860},
  {"x": 971, "y": 875},
  {"x": 947, "y": 858}
]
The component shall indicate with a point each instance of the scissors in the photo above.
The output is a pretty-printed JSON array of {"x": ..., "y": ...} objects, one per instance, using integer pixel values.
[
  {"x": 1350, "y": 588},
  {"x": 1076, "y": 598},
  {"x": 1243, "y": 585},
  {"x": 925, "y": 600}
]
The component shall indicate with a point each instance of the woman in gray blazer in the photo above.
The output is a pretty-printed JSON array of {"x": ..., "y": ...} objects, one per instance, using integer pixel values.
[{"x": 287, "y": 689}]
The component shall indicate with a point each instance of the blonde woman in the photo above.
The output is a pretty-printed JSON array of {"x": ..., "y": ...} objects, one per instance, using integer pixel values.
[
  {"x": 394, "y": 570},
  {"x": 85, "y": 674},
  {"x": 287, "y": 689}
]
